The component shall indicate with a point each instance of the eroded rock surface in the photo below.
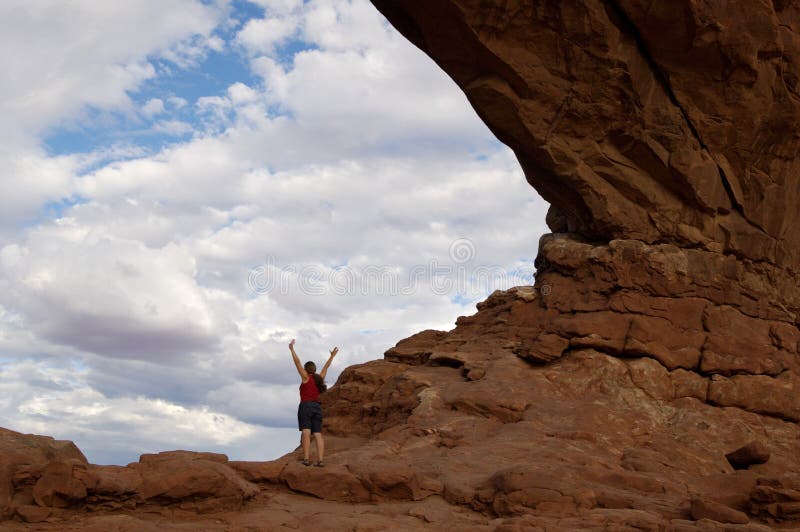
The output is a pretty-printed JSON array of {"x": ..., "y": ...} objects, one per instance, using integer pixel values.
[
  {"x": 650, "y": 380},
  {"x": 465, "y": 428},
  {"x": 47, "y": 479},
  {"x": 662, "y": 121}
]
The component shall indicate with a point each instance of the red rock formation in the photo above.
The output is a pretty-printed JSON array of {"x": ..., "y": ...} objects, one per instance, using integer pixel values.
[
  {"x": 42, "y": 478},
  {"x": 466, "y": 428},
  {"x": 37, "y": 471},
  {"x": 649, "y": 380},
  {"x": 662, "y": 121}
]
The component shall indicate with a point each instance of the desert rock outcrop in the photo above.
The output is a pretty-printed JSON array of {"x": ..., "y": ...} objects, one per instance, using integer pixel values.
[
  {"x": 650, "y": 377},
  {"x": 465, "y": 427},
  {"x": 661, "y": 121}
]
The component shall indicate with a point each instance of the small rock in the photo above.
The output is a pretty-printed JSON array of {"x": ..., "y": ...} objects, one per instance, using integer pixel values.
[
  {"x": 705, "y": 509},
  {"x": 754, "y": 452},
  {"x": 33, "y": 514},
  {"x": 259, "y": 471},
  {"x": 476, "y": 374},
  {"x": 62, "y": 483}
]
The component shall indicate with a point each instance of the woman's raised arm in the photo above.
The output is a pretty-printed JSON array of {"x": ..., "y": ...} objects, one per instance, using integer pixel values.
[
  {"x": 297, "y": 364},
  {"x": 328, "y": 363}
]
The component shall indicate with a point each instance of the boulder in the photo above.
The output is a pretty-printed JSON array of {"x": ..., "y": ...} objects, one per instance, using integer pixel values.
[
  {"x": 187, "y": 476},
  {"x": 32, "y": 513},
  {"x": 755, "y": 452},
  {"x": 62, "y": 483},
  {"x": 24, "y": 459},
  {"x": 706, "y": 509},
  {"x": 776, "y": 498}
]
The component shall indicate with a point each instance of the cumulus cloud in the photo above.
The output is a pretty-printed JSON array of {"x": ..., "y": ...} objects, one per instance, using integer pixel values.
[
  {"x": 153, "y": 107},
  {"x": 30, "y": 179},
  {"x": 64, "y": 58},
  {"x": 263, "y": 35},
  {"x": 68, "y": 55},
  {"x": 347, "y": 26},
  {"x": 177, "y": 102},
  {"x": 278, "y": 6},
  {"x": 140, "y": 307},
  {"x": 78, "y": 286},
  {"x": 172, "y": 127}
]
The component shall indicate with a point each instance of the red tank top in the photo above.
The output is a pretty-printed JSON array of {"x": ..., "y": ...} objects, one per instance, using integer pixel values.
[{"x": 308, "y": 390}]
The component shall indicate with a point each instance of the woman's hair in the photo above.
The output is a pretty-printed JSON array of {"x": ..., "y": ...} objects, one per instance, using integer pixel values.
[{"x": 311, "y": 369}]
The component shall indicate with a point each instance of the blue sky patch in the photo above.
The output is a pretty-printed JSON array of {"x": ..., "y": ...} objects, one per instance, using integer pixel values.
[{"x": 178, "y": 88}]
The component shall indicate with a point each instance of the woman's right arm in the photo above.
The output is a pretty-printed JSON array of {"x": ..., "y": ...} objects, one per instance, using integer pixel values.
[{"x": 297, "y": 364}]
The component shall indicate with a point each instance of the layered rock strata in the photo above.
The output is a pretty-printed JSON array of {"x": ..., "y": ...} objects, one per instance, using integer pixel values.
[
  {"x": 490, "y": 426},
  {"x": 648, "y": 380},
  {"x": 662, "y": 121}
]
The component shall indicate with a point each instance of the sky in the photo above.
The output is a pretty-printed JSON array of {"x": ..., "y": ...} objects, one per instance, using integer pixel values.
[{"x": 187, "y": 185}]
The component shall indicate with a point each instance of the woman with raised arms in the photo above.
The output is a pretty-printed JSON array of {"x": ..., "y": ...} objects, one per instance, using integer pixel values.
[{"x": 309, "y": 413}]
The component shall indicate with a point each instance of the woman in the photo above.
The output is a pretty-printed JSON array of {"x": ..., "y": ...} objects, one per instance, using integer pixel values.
[{"x": 309, "y": 413}]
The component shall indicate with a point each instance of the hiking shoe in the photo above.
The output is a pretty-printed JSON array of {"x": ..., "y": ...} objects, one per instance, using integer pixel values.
[
  {"x": 306, "y": 462},
  {"x": 319, "y": 464}
]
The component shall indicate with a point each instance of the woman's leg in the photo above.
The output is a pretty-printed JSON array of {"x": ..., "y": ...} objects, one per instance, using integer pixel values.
[
  {"x": 306, "y": 441},
  {"x": 320, "y": 445}
]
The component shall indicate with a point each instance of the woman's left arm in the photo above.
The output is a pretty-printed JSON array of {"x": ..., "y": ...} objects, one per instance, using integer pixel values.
[{"x": 328, "y": 363}]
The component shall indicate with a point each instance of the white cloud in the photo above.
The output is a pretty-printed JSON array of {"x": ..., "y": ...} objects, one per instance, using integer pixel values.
[
  {"x": 263, "y": 404},
  {"x": 172, "y": 127},
  {"x": 241, "y": 95},
  {"x": 278, "y": 6},
  {"x": 357, "y": 152},
  {"x": 29, "y": 179},
  {"x": 346, "y": 25},
  {"x": 177, "y": 102},
  {"x": 153, "y": 106},
  {"x": 191, "y": 52},
  {"x": 62, "y": 58},
  {"x": 68, "y": 55},
  {"x": 134, "y": 301},
  {"x": 215, "y": 43},
  {"x": 263, "y": 35}
]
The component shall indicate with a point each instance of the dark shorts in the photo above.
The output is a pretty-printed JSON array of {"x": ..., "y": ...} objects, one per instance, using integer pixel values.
[{"x": 309, "y": 416}]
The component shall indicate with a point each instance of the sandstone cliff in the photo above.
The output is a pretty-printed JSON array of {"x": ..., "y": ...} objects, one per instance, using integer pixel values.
[
  {"x": 663, "y": 121},
  {"x": 650, "y": 380}
]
